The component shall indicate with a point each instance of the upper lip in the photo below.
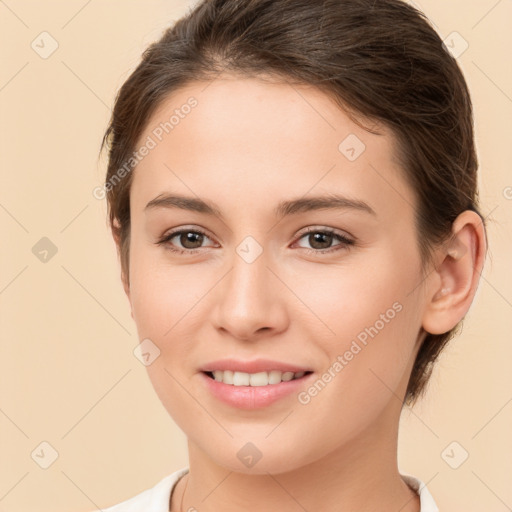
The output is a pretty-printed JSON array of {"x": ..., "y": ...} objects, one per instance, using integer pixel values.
[{"x": 253, "y": 366}]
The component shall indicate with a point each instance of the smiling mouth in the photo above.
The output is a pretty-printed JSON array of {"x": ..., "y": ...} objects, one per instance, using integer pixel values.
[{"x": 254, "y": 379}]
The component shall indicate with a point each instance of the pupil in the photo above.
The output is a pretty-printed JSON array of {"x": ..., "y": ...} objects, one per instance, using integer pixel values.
[
  {"x": 322, "y": 239},
  {"x": 192, "y": 238}
]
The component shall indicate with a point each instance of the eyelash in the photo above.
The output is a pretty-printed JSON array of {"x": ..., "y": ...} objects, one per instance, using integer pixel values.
[{"x": 345, "y": 242}]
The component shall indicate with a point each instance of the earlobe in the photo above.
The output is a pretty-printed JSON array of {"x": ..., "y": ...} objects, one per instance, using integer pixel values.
[{"x": 456, "y": 276}]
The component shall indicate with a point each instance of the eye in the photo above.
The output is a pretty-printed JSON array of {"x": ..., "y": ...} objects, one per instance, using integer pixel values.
[
  {"x": 184, "y": 240},
  {"x": 321, "y": 240},
  {"x": 190, "y": 241}
]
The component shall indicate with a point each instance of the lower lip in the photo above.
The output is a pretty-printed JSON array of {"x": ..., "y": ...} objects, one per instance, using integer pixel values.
[{"x": 253, "y": 397}]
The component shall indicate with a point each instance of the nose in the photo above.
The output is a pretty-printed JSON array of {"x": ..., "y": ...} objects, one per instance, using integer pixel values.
[{"x": 250, "y": 302}]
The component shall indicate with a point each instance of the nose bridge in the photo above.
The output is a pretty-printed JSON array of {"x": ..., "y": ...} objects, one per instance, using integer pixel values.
[
  {"x": 248, "y": 283},
  {"x": 247, "y": 301}
]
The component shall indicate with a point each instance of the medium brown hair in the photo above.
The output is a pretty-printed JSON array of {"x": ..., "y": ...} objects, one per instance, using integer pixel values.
[{"x": 378, "y": 59}]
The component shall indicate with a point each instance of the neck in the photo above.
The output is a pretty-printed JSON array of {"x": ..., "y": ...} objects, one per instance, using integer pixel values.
[{"x": 361, "y": 475}]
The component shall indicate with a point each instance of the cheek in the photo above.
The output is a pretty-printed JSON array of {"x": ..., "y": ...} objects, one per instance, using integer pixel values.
[
  {"x": 162, "y": 294},
  {"x": 167, "y": 309},
  {"x": 369, "y": 317},
  {"x": 353, "y": 296}
]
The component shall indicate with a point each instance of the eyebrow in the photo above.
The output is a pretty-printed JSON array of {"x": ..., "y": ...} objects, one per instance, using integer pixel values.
[{"x": 284, "y": 208}]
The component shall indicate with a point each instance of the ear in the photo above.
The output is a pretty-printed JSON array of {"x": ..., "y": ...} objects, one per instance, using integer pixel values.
[{"x": 454, "y": 281}]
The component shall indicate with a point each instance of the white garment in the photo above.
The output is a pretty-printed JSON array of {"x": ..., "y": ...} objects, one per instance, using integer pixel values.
[{"x": 157, "y": 498}]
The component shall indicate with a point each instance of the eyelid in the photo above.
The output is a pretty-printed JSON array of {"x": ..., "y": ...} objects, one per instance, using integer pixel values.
[
  {"x": 320, "y": 227},
  {"x": 325, "y": 229},
  {"x": 187, "y": 227}
]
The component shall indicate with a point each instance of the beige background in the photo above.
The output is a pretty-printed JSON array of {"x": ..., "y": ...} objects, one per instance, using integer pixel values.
[{"x": 68, "y": 375}]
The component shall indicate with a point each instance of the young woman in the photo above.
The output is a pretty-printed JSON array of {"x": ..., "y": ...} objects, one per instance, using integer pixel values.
[{"x": 292, "y": 190}]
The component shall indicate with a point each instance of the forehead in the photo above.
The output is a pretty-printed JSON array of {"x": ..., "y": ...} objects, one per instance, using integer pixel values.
[
  {"x": 252, "y": 133},
  {"x": 259, "y": 106}
]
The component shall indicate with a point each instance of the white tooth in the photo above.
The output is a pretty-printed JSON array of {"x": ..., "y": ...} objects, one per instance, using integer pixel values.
[
  {"x": 274, "y": 377},
  {"x": 259, "y": 379},
  {"x": 254, "y": 379},
  {"x": 241, "y": 379}
]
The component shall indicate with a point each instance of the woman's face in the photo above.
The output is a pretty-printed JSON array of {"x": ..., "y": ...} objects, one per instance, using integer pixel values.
[{"x": 299, "y": 253}]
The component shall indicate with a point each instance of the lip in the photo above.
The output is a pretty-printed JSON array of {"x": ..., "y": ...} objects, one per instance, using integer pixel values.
[
  {"x": 254, "y": 397},
  {"x": 254, "y": 366}
]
